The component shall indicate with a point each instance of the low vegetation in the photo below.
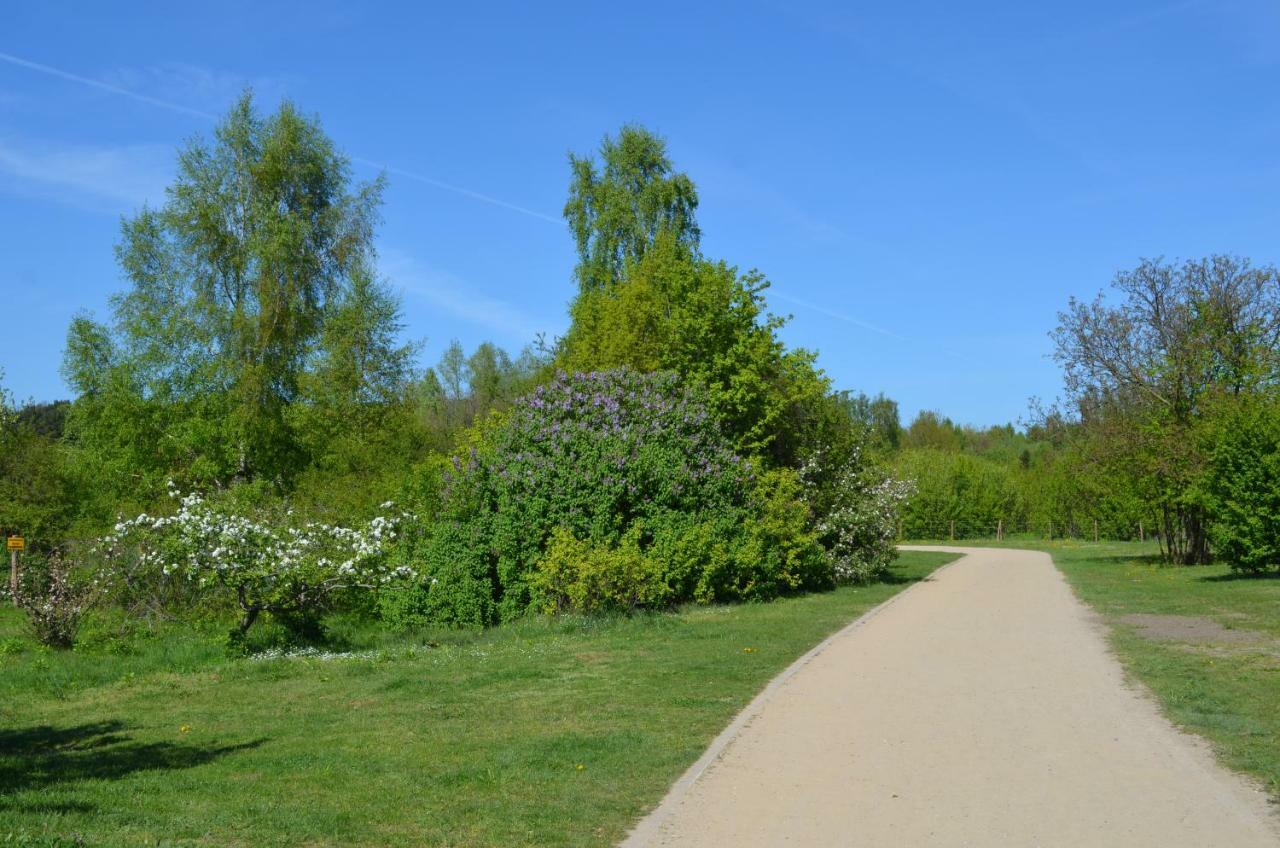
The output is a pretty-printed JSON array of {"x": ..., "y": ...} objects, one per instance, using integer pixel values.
[{"x": 546, "y": 731}]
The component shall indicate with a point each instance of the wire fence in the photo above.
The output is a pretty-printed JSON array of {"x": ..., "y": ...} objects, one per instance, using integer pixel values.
[{"x": 970, "y": 529}]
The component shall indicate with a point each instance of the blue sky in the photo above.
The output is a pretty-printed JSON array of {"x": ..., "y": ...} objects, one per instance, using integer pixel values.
[{"x": 924, "y": 183}]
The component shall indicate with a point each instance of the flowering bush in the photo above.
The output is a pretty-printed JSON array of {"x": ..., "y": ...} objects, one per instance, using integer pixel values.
[
  {"x": 627, "y": 471},
  {"x": 55, "y": 602},
  {"x": 287, "y": 571},
  {"x": 856, "y": 514}
]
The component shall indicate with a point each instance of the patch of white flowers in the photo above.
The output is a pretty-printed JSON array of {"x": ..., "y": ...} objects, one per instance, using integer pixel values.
[
  {"x": 271, "y": 568},
  {"x": 860, "y": 528},
  {"x": 312, "y": 653}
]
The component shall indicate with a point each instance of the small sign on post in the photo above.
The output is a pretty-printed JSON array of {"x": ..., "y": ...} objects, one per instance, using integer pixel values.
[{"x": 14, "y": 544}]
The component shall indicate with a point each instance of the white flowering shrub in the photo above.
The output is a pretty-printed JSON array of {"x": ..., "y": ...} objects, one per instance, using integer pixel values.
[
  {"x": 856, "y": 508},
  {"x": 55, "y": 601},
  {"x": 288, "y": 571}
]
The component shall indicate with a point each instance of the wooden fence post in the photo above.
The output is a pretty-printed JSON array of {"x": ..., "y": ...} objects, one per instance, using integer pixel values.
[
  {"x": 1142, "y": 537},
  {"x": 953, "y": 530},
  {"x": 1095, "y": 529},
  {"x": 1000, "y": 530}
]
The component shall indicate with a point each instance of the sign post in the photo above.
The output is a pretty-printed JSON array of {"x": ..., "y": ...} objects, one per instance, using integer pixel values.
[{"x": 14, "y": 544}]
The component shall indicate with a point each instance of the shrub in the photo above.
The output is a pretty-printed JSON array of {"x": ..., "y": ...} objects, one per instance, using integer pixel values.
[
  {"x": 614, "y": 470},
  {"x": 287, "y": 571},
  {"x": 576, "y": 575},
  {"x": 859, "y": 523},
  {"x": 55, "y": 601},
  {"x": 779, "y": 553},
  {"x": 1241, "y": 486},
  {"x": 457, "y": 588},
  {"x": 973, "y": 492}
]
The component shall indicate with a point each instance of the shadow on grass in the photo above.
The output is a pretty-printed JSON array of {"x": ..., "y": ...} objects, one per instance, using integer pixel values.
[
  {"x": 1135, "y": 559},
  {"x": 43, "y": 757},
  {"x": 1240, "y": 575},
  {"x": 893, "y": 578}
]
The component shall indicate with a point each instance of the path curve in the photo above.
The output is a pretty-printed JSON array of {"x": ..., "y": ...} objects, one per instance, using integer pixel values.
[{"x": 980, "y": 707}]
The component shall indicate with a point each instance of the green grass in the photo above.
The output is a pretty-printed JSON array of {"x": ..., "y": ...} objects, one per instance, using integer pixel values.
[{"x": 544, "y": 732}]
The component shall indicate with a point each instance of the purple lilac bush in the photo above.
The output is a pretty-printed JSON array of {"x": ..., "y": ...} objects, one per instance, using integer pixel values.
[{"x": 597, "y": 457}]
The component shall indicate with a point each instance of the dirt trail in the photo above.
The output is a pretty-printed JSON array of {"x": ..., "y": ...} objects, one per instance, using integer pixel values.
[{"x": 980, "y": 708}]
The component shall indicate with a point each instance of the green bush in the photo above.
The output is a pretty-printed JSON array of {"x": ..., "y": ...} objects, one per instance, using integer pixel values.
[
  {"x": 575, "y": 575},
  {"x": 611, "y": 468},
  {"x": 1241, "y": 486},
  {"x": 456, "y": 588}
]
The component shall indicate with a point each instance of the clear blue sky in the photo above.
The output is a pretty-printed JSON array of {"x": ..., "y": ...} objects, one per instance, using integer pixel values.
[{"x": 924, "y": 183}]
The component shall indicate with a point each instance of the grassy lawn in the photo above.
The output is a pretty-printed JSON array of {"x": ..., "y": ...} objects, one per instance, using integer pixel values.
[
  {"x": 545, "y": 732},
  {"x": 1225, "y": 685}
]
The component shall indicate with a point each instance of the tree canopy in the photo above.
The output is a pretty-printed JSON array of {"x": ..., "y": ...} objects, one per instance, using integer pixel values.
[
  {"x": 250, "y": 289},
  {"x": 619, "y": 207}
]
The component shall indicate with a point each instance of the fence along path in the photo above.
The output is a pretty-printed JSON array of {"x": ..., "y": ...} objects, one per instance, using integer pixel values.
[{"x": 979, "y": 707}]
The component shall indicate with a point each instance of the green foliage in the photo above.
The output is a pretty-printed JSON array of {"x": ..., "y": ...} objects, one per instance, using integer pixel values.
[
  {"x": 460, "y": 389},
  {"x": 252, "y": 313},
  {"x": 575, "y": 575},
  {"x": 38, "y": 493},
  {"x": 955, "y": 487},
  {"x": 1145, "y": 371},
  {"x": 674, "y": 311},
  {"x": 612, "y": 466},
  {"x": 1241, "y": 486},
  {"x": 457, "y": 588},
  {"x": 857, "y": 506},
  {"x": 617, "y": 210},
  {"x": 780, "y": 552}
]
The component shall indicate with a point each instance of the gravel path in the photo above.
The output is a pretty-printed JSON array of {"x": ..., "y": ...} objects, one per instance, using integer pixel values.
[{"x": 980, "y": 707}]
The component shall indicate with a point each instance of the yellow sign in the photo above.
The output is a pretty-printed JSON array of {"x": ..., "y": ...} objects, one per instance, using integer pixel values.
[{"x": 16, "y": 543}]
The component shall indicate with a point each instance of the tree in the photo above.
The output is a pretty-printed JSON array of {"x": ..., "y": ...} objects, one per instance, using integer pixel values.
[
  {"x": 255, "y": 274},
  {"x": 617, "y": 210},
  {"x": 876, "y": 416},
  {"x": 1144, "y": 371},
  {"x": 460, "y": 389},
  {"x": 673, "y": 311}
]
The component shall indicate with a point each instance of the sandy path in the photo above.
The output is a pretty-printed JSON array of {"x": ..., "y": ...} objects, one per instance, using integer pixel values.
[{"x": 978, "y": 708}]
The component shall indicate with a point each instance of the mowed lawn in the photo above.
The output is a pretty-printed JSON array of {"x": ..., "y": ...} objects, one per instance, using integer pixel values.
[
  {"x": 1204, "y": 640},
  {"x": 545, "y": 732}
]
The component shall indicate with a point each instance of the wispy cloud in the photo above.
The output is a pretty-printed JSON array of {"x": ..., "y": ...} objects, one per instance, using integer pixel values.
[
  {"x": 209, "y": 91},
  {"x": 188, "y": 82},
  {"x": 457, "y": 297},
  {"x": 129, "y": 175}
]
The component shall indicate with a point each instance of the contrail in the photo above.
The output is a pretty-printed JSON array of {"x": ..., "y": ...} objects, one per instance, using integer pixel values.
[
  {"x": 849, "y": 319},
  {"x": 104, "y": 86},
  {"x": 186, "y": 110},
  {"x": 840, "y": 316},
  {"x": 465, "y": 192}
]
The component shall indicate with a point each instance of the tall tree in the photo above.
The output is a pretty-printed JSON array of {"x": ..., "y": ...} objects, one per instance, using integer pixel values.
[
  {"x": 1143, "y": 372},
  {"x": 262, "y": 242},
  {"x": 618, "y": 208},
  {"x": 707, "y": 322}
]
